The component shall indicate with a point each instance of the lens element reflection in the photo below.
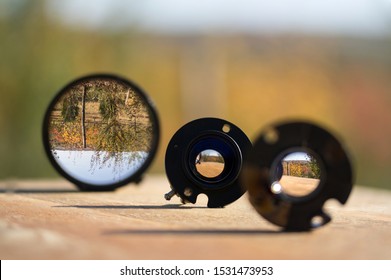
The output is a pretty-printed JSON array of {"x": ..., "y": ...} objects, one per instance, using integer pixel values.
[
  {"x": 100, "y": 131},
  {"x": 209, "y": 163},
  {"x": 300, "y": 175}
]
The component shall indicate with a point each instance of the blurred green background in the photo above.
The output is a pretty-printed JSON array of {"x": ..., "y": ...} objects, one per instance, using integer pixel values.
[{"x": 195, "y": 60}]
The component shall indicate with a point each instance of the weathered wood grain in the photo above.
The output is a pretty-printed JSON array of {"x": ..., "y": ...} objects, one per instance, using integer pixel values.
[{"x": 52, "y": 220}]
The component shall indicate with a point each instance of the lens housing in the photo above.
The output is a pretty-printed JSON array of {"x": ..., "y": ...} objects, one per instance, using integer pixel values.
[
  {"x": 101, "y": 132},
  {"x": 223, "y": 145},
  {"x": 261, "y": 177}
]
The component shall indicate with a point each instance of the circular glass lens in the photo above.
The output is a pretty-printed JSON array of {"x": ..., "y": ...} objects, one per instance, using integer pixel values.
[
  {"x": 210, "y": 163},
  {"x": 101, "y": 130},
  {"x": 297, "y": 174}
]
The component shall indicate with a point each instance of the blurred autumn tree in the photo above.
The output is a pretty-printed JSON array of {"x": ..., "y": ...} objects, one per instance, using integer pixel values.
[
  {"x": 315, "y": 171},
  {"x": 251, "y": 80},
  {"x": 111, "y": 116}
]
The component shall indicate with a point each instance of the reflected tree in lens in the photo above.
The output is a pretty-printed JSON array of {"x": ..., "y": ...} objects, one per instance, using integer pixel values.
[
  {"x": 106, "y": 118},
  {"x": 314, "y": 167},
  {"x": 305, "y": 167},
  {"x": 70, "y": 107}
]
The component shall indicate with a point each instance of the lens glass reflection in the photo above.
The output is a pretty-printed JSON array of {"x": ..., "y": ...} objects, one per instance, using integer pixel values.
[
  {"x": 100, "y": 131},
  {"x": 209, "y": 163},
  {"x": 297, "y": 174}
]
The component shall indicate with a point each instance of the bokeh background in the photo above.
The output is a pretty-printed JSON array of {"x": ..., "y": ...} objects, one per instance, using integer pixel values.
[{"x": 249, "y": 62}]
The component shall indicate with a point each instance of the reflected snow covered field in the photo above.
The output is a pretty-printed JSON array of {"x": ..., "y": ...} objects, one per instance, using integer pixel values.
[{"x": 99, "y": 167}]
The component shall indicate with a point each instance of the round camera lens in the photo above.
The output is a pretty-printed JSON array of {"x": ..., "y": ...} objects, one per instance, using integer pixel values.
[
  {"x": 101, "y": 132},
  {"x": 209, "y": 164},
  {"x": 206, "y": 156},
  {"x": 293, "y": 169}
]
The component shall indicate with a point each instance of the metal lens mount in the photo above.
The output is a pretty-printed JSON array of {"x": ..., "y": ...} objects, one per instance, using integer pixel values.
[
  {"x": 263, "y": 178},
  {"x": 206, "y": 156}
]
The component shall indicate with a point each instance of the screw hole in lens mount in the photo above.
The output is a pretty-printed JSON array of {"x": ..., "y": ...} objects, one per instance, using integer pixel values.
[
  {"x": 317, "y": 221},
  {"x": 226, "y": 128},
  {"x": 271, "y": 136},
  {"x": 188, "y": 192}
]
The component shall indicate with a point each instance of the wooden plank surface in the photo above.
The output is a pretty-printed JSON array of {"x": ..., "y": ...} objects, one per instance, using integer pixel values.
[{"x": 53, "y": 220}]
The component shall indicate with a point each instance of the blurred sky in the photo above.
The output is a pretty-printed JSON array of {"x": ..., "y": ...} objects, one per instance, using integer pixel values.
[{"x": 348, "y": 17}]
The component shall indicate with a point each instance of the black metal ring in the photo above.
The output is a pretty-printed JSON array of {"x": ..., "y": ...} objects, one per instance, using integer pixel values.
[
  {"x": 181, "y": 161},
  {"x": 290, "y": 212}
]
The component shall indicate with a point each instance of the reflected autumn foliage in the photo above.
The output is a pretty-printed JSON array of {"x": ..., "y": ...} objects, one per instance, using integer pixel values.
[{"x": 104, "y": 116}]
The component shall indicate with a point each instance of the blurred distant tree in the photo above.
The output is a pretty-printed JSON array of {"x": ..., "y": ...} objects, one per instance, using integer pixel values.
[
  {"x": 109, "y": 106},
  {"x": 134, "y": 107},
  {"x": 315, "y": 168},
  {"x": 296, "y": 169},
  {"x": 70, "y": 106}
]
